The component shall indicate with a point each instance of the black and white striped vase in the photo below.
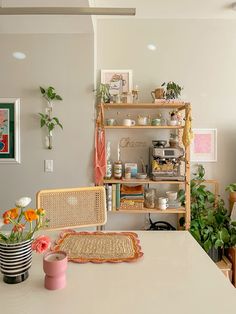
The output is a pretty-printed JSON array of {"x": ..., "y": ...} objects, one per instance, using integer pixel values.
[{"x": 15, "y": 261}]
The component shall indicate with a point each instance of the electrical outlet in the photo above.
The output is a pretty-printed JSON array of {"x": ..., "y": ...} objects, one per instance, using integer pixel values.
[{"x": 48, "y": 165}]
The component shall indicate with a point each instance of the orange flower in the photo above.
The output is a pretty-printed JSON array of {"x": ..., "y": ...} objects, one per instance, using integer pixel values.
[
  {"x": 40, "y": 211},
  {"x": 30, "y": 215},
  {"x": 10, "y": 214},
  {"x": 14, "y": 213},
  {"x": 6, "y": 217}
]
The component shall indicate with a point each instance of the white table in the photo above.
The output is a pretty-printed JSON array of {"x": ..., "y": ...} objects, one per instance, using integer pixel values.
[{"x": 174, "y": 276}]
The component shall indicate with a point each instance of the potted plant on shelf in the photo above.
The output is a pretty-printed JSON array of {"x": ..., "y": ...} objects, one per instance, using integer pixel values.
[
  {"x": 210, "y": 222},
  {"x": 17, "y": 244},
  {"x": 46, "y": 119},
  {"x": 232, "y": 194},
  {"x": 173, "y": 90}
]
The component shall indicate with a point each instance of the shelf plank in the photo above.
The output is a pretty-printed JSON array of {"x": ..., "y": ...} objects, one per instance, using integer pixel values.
[
  {"x": 157, "y": 105},
  {"x": 180, "y": 210},
  {"x": 144, "y": 127},
  {"x": 141, "y": 181}
]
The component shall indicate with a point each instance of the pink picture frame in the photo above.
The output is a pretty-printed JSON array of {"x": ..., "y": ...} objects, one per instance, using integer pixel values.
[{"x": 204, "y": 145}]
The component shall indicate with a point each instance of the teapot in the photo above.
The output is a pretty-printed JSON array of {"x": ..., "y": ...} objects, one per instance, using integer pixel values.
[{"x": 158, "y": 93}]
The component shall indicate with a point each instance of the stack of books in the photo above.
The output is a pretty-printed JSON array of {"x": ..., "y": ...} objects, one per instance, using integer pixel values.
[{"x": 113, "y": 196}]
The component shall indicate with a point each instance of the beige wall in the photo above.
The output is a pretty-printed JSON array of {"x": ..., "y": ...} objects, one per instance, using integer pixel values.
[
  {"x": 198, "y": 54},
  {"x": 65, "y": 62}
]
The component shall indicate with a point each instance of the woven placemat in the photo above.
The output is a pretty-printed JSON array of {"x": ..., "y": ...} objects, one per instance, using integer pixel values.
[{"x": 99, "y": 247}]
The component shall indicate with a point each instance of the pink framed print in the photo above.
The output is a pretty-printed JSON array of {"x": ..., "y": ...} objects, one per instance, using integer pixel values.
[
  {"x": 119, "y": 81},
  {"x": 204, "y": 145}
]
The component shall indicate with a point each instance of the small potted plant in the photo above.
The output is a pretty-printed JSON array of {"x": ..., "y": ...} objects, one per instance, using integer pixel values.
[
  {"x": 173, "y": 90},
  {"x": 232, "y": 194}
]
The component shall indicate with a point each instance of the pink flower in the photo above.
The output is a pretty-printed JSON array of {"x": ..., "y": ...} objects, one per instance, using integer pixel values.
[{"x": 41, "y": 244}]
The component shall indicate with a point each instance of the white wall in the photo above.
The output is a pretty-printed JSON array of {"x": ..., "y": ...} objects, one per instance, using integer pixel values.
[
  {"x": 198, "y": 54},
  {"x": 65, "y": 62}
]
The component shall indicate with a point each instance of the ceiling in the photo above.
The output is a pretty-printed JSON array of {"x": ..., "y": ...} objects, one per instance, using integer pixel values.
[{"x": 146, "y": 9}]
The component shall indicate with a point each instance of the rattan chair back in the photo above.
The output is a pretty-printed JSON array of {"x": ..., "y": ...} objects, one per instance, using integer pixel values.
[{"x": 71, "y": 208}]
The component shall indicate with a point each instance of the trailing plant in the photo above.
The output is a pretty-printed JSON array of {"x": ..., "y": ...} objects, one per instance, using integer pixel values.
[
  {"x": 103, "y": 93},
  {"x": 210, "y": 222},
  {"x": 173, "y": 90}
]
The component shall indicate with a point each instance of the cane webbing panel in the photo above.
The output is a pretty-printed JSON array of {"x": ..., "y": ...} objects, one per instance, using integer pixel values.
[{"x": 78, "y": 207}]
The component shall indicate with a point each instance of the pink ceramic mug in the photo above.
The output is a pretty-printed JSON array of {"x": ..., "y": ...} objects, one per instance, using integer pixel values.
[{"x": 54, "y": 266}]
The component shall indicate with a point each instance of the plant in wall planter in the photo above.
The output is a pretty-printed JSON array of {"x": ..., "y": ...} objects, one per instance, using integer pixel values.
[{"x": 46, "y": 119}]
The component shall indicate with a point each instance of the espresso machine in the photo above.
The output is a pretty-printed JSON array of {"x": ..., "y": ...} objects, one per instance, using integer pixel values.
[{"x": 165, "y": 161}]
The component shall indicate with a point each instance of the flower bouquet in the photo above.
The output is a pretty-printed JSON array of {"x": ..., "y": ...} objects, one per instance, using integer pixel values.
[{"x": 16, "y": 244}]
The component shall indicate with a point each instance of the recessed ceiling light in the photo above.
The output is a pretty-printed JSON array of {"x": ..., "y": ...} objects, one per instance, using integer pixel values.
[
  {"x": 19, "y": 55},
  {"x": 151, "y": 47}
]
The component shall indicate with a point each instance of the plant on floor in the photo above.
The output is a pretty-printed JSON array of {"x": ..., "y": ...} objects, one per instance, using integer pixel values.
[
  {"x": 46, "y": 119},
  {"x": 210, "y": 222},
  {"x": 173, "y": 90}
]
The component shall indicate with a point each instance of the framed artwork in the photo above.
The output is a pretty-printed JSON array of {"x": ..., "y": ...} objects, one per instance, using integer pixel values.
[
  {"x": 120, "y": 81},
  {"x": 204, "y": 145},
  {"x": 9, "y": 130}
]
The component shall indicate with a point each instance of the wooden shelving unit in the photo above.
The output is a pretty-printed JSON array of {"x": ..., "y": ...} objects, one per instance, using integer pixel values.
[
  {"x": 180, "y": 106},
  {"x": 114, "y": 127},
  {"x": 179, "y": 210},
  {"x": 141, "y": 181}
]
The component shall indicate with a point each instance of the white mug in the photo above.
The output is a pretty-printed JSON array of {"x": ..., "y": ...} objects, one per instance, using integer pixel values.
[
  {"x": 172, "y": 196},
  {"x": 142, "y": 120},
  {"x": 163, "y": 206},
  {"x": 162, "y": 200},
  {"x": 128, "y": 122}
]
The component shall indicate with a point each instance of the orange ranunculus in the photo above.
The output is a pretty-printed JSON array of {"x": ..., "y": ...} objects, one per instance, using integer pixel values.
[
  {"x": 6, "y": 217},
  {"x": 41, "y": 211},
  {"x": 12, "y": 214},
  {"x": 30, "y": 215}
]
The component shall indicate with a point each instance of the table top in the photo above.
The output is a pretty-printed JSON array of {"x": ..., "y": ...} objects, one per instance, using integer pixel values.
[{"x": 174, "y": 276}]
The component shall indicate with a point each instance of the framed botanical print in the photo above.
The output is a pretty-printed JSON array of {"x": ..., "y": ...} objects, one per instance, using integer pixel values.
[
  {"x": 204, "y": 145},
  {"x": 119, "y": 81},
  {"x": 9, "y": 130}
]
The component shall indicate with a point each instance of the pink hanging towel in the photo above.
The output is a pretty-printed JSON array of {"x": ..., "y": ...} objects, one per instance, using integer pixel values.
[{"x": 100, "y": 153}]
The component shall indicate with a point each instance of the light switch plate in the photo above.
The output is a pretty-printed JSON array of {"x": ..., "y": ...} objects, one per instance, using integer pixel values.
[{"x": 48, "y": 165}]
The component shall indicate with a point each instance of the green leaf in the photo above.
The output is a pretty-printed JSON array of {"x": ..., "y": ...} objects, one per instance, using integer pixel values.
[
  {"x": 42, "y": 90},
  {"x": 42, "y": 123},
  {"x": 60, "y": 125},
  {"x": 51, "y": 126},
  {"x": 224, "y": 235},
  {"x": 207, "y": 245},
  {"x": 219, "y": 244},
  {"x": 58, "y": 97},
  {"x": 233, "y": 223}
]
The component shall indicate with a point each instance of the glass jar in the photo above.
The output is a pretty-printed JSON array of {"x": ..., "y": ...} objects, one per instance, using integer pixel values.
[{"x": 149, "y": 198}]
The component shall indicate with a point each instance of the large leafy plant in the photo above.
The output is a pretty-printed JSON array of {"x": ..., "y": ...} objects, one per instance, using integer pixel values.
[{"x": 210, "y": 222}]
